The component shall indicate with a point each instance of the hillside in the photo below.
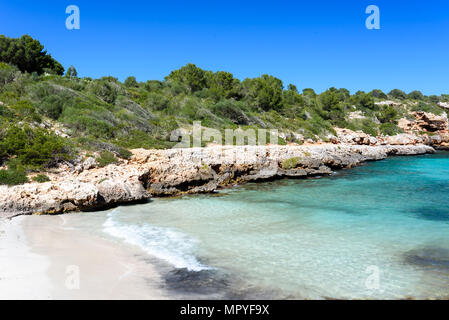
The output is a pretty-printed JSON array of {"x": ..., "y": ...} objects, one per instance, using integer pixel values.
[{"x": 48, "y": 118}]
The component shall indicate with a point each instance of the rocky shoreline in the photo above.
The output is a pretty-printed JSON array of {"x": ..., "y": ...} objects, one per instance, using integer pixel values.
[{"x": 172, "y": 172}]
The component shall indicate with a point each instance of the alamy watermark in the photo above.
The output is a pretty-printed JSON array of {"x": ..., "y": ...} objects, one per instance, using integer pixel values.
[
  {"x": 73, "y": 20},
  {"x": 72, "y": 281},
  {"x": 373, "y": 20},
  {"x": 372, "y": 282},
  {"x": 199, "y": 136}
]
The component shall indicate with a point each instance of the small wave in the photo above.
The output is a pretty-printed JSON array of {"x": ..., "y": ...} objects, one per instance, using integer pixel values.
[{"x": 163, "y": 243}]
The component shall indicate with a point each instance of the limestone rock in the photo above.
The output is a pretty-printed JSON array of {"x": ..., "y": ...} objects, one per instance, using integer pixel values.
[
  {"x": 193, "y": 170},
  {"x": 89, "y": 163}
]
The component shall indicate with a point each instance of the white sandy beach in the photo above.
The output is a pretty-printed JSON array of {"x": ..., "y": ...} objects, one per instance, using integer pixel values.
[{"x": 42, "y": 259}]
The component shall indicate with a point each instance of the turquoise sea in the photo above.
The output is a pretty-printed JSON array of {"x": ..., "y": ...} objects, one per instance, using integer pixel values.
[{"x": 377, "y": 231}]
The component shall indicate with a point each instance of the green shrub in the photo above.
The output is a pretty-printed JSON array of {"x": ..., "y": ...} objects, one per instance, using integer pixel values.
[
  {"x": 387, "y": 114},
  {"x": 105, "y": 90},
  {"x": 106, "y": 158},
  {"x": 415, "y": 95},
  {"x": 367, "y": 126},
  {"x": 131, "y": 82},
  {"x": 26, "y": 111},
  {"x": 41, "y": 178},
  {"x": 52, "y": 106},
  {"x": 33, "y": 147},
  {"x": 14, "y": 175},
  {"x": 427, "y": 107},
  {"x": 398, "y": 94},
  {"x": 231, "y": 110},
  {"x": 139, "y": 139},
  {"x": 290, "y": 163},
  {"x": 390, "y": 129}
]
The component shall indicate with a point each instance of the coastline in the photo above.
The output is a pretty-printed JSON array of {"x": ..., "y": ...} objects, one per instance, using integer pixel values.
[
  {"x": 108, "y": 269},
  {"x": 173, "y": 172}
]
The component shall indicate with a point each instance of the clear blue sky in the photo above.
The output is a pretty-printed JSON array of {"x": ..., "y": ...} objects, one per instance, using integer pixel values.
[{"x": 315, "y": 44}]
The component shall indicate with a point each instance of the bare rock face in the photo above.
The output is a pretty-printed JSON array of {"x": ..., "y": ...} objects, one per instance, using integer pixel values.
[
  {"x": 402, "y": 139},
  {"x": 181, "y": 171},
  {"x": 444, "y": 105},
  {"x": 430, "y": 122},
  {"x": 424, "y": 122},
  {"x": 115, "y": 192},
  {"x": 89, "y": 163},
  {"x": 354, "y": 137},
  {"x": 47, "y": 197}
]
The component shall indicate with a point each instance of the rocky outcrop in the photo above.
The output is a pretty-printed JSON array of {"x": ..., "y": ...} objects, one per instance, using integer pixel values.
[
  {"x": 444, "y": 105},
  {"x": 353, "y": 137},
  {"x": 425, "y": 122},
  {"x": 180, "y": 171},
  {"x": 183, "y": 171}
]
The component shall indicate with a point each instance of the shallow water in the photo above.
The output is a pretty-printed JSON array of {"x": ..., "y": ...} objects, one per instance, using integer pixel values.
[{"x": 377, "y": 231}]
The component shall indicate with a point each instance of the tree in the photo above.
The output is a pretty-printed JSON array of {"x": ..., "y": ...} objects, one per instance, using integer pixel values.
[
  {"x": 416, "y": 95},
  {"x": 398, "y": 94},
  {"x": 376, "y": 93},
  {"x": 363, "y": 100},
  {"x": 71, "y": 72},
  {"x": 131, "y": 82},
  {"x": 265, "y": 91},
  {"x": 331, "y": 105},
  {"x": 292, "y": 88},
  {"x": 191, "y": 75},
  {"x": 222, "y": 84},
  {"x": 28, "y": 55},
  {"x": 309, "y": 92},
  {"x": 344, "y": 94},
  {"x": 387, "y": 114},
  {"x": 292, "y": 97}
]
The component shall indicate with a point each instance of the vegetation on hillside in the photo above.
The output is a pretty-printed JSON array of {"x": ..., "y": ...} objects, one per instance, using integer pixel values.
[{"x": 110, "y": 117}]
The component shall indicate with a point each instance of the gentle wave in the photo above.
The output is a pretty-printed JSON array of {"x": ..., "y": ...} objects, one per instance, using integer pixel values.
[{"x": 163, "y": 243}]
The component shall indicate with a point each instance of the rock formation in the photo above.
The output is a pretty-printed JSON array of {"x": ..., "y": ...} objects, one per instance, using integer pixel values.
[{"x": 182, "y": 171}]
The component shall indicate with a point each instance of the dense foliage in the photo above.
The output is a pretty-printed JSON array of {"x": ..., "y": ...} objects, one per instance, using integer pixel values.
[{"x": 28, "y": 55}]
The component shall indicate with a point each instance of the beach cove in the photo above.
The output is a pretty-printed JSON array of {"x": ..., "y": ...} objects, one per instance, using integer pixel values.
[{"x": 292, "y": 239}]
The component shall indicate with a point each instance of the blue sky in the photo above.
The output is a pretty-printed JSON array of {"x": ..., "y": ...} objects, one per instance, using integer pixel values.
[{"x": 315, "y": 44}]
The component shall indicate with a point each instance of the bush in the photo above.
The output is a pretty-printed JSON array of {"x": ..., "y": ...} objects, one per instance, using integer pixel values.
[
  {"x": 190, "y": 75},
  {"x": 33, "y": 147},
  {"x": 131, "y": 82},
  {"x": 387, "y": 114},
  {"x": 376, "y": 93},
  {"x": 139, "y": 139},
  {"x": 52, "y": 106},
  {"x": 15, "y": 174},
  {"x": 367, "y": 126},
  {"x": 390, "y": 129},
  {"x": 105, "y": 90},
  {"x": 106, "y": 158},
  {"x": 26, "y": 111},
  {"x": 290, "y": 163},
  {"x": 427, "y": 107},
  {"x": 416, "y": 95},
  {"x": 398, "y": 94},
  {"x": 41, "y": 178},
  {"x": 232, "y": 111}
]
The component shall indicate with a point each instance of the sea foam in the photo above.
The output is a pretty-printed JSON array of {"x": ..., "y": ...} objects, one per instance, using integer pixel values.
[{"x": 166, "y": 244}]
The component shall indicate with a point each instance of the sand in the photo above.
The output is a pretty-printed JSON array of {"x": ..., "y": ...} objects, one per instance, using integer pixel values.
[{"x": 41, "y": 258}]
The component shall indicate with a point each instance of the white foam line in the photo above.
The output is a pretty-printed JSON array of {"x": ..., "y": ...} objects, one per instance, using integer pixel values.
[{"x": 163, "y": 243}]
